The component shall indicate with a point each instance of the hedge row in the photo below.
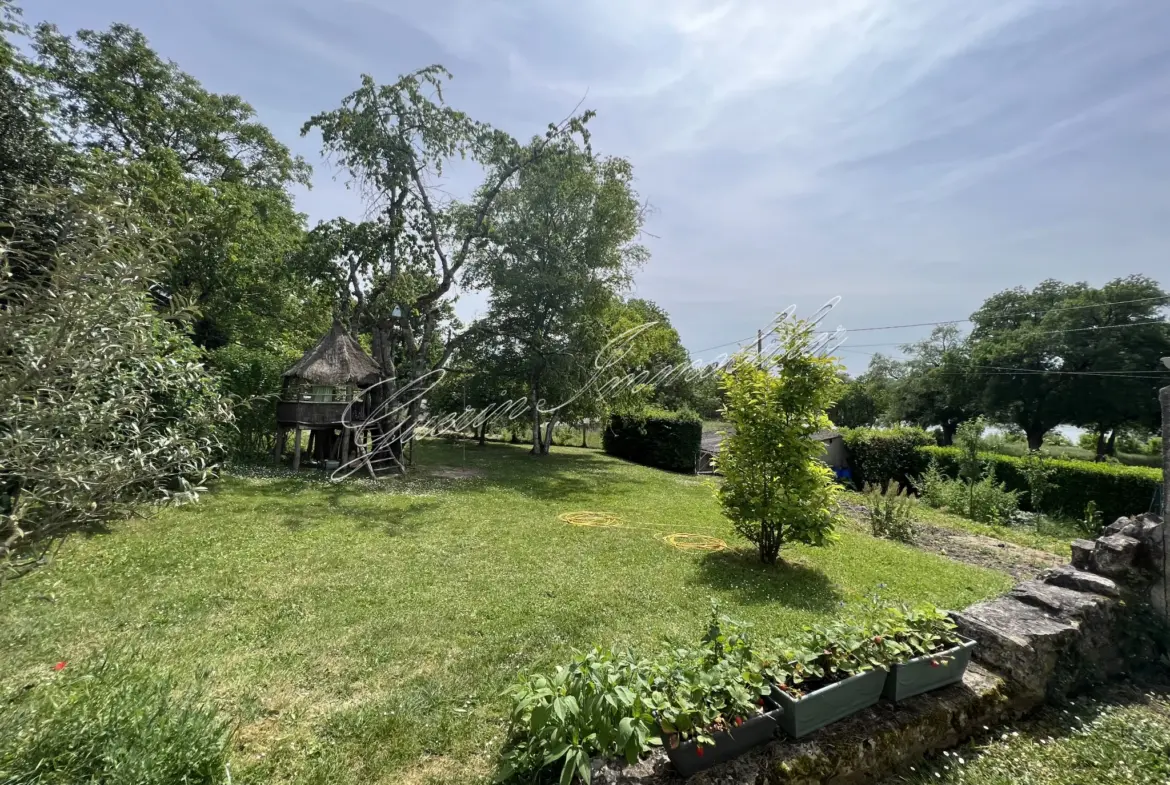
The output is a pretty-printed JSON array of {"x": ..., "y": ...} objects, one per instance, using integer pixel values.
[
  {"x": 878, "y": 455},
  {"x": 667, "y": 440},
  {"x": 1117, "y": 490}
]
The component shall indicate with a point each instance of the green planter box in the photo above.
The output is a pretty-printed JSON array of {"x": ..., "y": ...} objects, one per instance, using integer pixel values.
[
  {"x": 917, "y": 676},
  {"x": 800, "y": 717},
  {"x": 685, "y": 757}
]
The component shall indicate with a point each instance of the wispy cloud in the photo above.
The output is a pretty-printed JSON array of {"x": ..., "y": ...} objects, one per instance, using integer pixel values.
[{"x": 913, "y": 156}]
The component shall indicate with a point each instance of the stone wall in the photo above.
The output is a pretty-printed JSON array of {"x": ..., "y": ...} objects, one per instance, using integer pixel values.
[{"x": 1046, "y": 638}]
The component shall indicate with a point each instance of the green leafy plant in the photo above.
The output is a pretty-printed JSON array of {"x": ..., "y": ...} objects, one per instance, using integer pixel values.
[
  {"x": 1091, "y": 522},
  {"x": 775, "y": 489},
  {"x": 904, "y": 633},
  {"x": 1037, "y": 473},
  {"x": 891, "y": 512},
  {"x": 114, "y": 723}
]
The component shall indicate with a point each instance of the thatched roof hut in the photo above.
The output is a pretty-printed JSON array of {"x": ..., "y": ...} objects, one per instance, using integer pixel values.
[{"x": 336, "y": 361}]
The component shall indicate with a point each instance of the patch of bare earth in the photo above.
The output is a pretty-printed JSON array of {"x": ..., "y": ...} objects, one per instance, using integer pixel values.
[
  {"x": 455, "y": 473},
  {"x": 1016, "y": 560}
]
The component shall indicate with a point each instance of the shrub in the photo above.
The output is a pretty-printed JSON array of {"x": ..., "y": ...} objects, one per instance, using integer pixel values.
[
  {"x": 252, "y": 378},
  {"x": 111, "y": 724},
  {"x": 775, "y": 488},
  {"x": 655, "y": 437},
  {"x": 105, "y": 405},
  {"x": 1117, "y": 490},
  {"x": 890, "y": 512},
  {"x": 879, "y": 455}
]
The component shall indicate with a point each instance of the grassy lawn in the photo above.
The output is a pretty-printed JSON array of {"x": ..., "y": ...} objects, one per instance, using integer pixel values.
[
  {"x": 1121, "y": 740},
  {"x": 362, "y": 633}
]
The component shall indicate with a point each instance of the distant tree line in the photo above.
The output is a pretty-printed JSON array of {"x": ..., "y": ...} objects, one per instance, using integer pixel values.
[{"x": 1058, "y": 354}]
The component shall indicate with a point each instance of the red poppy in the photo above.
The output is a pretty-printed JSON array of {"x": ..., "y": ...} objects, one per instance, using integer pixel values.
[{"x": 59, "y": 666}]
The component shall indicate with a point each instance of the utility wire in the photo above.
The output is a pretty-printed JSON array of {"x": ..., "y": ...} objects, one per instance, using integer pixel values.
[{"x": 967, "y": 319}]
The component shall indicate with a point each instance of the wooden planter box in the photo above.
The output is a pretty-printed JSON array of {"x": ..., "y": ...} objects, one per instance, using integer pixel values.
[
  {"x": 917, "y": 676},
  {"x": 801, "y": 716},
  {"x": 685, "y": 757}
]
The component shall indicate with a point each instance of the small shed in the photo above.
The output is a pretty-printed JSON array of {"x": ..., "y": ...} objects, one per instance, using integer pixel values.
[
  {"x": 316, "y": 392},
  {"x": 835, "y": 454}
]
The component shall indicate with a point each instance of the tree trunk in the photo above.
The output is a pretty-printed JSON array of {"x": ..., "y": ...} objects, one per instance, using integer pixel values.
[
  {"x": 1111, "y": 445},
  {"x": 1035, "y": 437},
  {"x": 1100, "y": 451},
  {"x": 536, "y": 433},
  {"x": 948, "y": 433},
  {"x": 584, "y": 440},
  {"x": 548, "y": 434},
  {"x": 482, "y": 433}
]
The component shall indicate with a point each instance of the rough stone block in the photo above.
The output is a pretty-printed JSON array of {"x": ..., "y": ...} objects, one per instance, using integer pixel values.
[
  {"x": 1019, "y": 640},
  {"x": 1080, "y": 580},
  {"x": 1065, "y": 603},
  {"x": 1123, "y": 525},
  {"x": 1082, "y": 553},
  {"x": 1114, "y": 555}
]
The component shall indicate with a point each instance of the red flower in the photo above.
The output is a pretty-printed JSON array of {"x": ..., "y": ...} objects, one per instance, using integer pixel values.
[
  {"x": 699, "y": 751},
  {"x": 60, "y": 666}
]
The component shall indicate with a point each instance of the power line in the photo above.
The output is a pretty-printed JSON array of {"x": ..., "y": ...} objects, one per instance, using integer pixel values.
[
  {"x": 1000, "y": 370},
  {"x": 967, "y": 319},
  {"x": 1048, "y": 332}
]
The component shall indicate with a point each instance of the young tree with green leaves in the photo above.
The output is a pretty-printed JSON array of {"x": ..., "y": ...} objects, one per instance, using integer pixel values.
[
  {"x": 775, "y": 489},
  {"x": 937, "y": 384}
]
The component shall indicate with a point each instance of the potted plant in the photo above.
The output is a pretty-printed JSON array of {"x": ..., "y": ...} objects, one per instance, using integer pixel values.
[
  {"x": 924, "y": 651},
  {"x": 713, "y": 702},
  {"x": 833, "y": 672}
]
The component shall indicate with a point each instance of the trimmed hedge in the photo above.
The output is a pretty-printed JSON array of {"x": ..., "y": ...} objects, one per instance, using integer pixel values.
[
  {"x": 656, "y": 437},
  {"x": 878, "y": 455},
  {"x": 1117, "y": 490}
]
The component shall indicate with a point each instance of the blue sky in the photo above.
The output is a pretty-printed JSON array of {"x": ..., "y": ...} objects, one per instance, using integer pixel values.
[{"x": 910, "y": 156}]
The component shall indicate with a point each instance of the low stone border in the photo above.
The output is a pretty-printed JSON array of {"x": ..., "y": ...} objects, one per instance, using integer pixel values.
[{"x": 1046, "y": 638}]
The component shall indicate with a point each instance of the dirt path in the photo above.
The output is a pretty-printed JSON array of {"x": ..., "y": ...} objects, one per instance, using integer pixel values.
[{"x": 1016, "y": 560}]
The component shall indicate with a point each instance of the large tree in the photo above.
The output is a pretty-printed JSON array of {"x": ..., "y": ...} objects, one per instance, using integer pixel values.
[
  {"x": 1070, "y": 353},
  {"x": 199, "y": 164},
  {"x": 562, "y": 248},
  {"x": 402, "y": 267},
  {"x": 937, "y": 386}
]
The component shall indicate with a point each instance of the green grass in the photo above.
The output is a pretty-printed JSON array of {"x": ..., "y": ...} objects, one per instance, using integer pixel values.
[
  {"x": 1124, "y": 741},
  {"x": 1051, "y": 535},
  {"x": 1018, "y": 449},
  {"x": 362, "y": 634}
]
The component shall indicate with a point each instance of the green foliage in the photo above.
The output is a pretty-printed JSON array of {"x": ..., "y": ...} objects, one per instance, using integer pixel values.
[
  {"x": 252, "y": 378},
  {"x": 113, "y": 723},
  {"x": 105, "y": 405},
  {"x": 616, "y": 704},
  {"x": 936, "y": 385},
  {"x": 1056, "y": 326},
  {"x": 775, "y": 489},
  {"x": 858, "y": 407},
  {"x": 1117, "y": 490},
  {"x": 890, "y": 512},
  {"x": 1153, "y": 446},
  {"x": 878, "y": 455},
  {"x": 655, "y": 437},
  {"x": 1037, "y": 473},
  {"x": 1091, "y": 520}
]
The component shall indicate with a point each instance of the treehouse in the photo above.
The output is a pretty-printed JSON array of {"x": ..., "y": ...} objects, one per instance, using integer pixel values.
[{"x": 317, "y": 391}]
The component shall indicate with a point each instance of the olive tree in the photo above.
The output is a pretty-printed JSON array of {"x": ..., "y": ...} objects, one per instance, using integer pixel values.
[
  {"x": 105, "y": 407},
  {"x": 775, "y": 489}
]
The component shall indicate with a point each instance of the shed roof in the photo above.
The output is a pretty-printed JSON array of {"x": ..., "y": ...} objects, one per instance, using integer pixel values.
[{"x": 337, "y": 360}]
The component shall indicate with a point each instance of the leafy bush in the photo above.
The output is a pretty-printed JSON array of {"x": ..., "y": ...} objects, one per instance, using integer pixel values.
[
  {"x": 655, "y": 437},
  {"x": 891, "y": 512},
  {"x": 1117, "y": 490},
  {"x": 878, "y": 455},
  {"x": 111, "y": 724},
  {"x": 775, "y": 487},
  {"x": 252, "y": 378},
  {"x": 905, "y": 633},
  {"x": 105, "y": 405}
]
